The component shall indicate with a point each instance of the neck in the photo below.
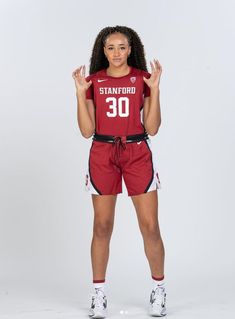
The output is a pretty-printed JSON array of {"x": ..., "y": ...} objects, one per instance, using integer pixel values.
[{"x": 118, "y": 71}]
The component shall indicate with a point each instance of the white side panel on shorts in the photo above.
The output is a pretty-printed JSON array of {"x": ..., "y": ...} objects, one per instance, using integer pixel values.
[
  {"x": 142, "y": 116},
  {"x": 88, "y": 185},
  {"x": 156, "y": 184}
]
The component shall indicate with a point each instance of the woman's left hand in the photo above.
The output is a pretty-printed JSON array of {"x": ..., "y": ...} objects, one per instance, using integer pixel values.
[{"x": 156, "y": 71}]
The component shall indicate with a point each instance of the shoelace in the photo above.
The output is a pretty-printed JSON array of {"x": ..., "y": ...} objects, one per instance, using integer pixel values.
[
  {"x": 119, "y": 142},
  {"x": 98, "y": 299},
  {"x": 157, "y": 295}
]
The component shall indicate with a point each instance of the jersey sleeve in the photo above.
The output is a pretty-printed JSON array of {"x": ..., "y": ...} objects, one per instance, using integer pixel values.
[
  {"x": 89, "y": 91},
  {"x": 146, "y": 87}
]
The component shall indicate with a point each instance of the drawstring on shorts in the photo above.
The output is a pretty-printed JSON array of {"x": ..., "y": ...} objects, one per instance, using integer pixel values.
[{"x": 119, "y": 143}]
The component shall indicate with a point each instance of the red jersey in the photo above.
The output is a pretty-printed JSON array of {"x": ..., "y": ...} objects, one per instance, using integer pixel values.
[{"x": 118, "y": 101}]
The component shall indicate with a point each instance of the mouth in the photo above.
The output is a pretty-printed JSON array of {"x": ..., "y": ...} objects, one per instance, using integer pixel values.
[{"x": 116, "y": 60}]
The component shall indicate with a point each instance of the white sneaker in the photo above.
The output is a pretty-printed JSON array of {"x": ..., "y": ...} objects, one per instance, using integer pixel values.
[
  {"x": 157, "y": 307},
  {"x": 98, "y": 305}
]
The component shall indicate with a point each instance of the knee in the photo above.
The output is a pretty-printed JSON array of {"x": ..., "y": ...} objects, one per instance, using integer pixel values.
[
  {"x": 103, "y": 229},
  {"x": 150, "y": 230}
]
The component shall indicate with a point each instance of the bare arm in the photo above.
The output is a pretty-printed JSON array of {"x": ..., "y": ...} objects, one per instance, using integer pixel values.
[
  {"x": 85, "y": 107},
  {"x": 85, "y": 115},
  {"x": 152, "y": 111}
]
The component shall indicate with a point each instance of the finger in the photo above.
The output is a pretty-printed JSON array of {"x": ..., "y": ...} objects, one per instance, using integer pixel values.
[
  {"x": 159, "y": 65},
  {"x": 145, "y": 79},
  {"x": 78, "y": 69},
  {"x": 76, "y": 72},
  {"x": 156, "y": 63},
  {"x": 152, "y": 67},
  {"x": 83, "y": 70}
]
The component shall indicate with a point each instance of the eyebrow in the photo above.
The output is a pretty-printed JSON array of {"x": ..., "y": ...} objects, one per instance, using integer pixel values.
[{"x": 111, "y": 45}]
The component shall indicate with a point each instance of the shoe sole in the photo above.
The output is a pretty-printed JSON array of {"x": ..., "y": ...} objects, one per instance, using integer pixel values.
[
  {"x": 157, "y": 315},
  {"x": 152, "y": 314},
  {"x": 98, "y": 316}
]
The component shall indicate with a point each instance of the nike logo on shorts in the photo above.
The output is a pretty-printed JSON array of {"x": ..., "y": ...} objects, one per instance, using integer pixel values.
[
  {"x": 99, "y": 80},
  {"x": 139, "y": 142}
]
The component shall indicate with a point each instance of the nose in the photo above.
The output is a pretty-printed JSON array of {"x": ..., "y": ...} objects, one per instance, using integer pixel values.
[{"x": 116, "y": 52}]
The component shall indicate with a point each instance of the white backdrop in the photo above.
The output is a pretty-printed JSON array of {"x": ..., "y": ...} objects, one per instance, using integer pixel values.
[{"x": 46, "y": 215}]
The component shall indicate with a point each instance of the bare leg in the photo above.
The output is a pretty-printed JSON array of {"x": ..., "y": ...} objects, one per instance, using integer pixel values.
[
  {"x": 104, "y": 211},
  {"x": 146, "y": 206}
]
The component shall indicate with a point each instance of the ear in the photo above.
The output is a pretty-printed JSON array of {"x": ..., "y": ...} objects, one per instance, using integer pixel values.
[
  {"x": 129, "y": 51},
  {"x": 104, "y": 51}
]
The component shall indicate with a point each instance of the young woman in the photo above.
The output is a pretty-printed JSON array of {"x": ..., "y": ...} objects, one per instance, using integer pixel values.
[{"x": 118, "y": 104}]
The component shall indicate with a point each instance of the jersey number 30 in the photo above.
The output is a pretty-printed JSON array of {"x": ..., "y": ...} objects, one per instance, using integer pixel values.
[{"x": 118, "y": 107}]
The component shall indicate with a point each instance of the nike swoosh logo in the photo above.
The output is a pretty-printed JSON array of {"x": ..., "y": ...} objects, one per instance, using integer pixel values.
[
  {"x": 102, "y": 80},
  {"x": 139, "y": 142}
]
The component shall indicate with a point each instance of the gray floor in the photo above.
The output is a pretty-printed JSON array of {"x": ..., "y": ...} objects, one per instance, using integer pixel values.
[{"x": 200, "y": 299}]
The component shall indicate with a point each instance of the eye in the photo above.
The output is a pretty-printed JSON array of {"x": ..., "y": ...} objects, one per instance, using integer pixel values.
[
  {"x": 123, "y": 48},
  {"x": 110, "y": 48}
]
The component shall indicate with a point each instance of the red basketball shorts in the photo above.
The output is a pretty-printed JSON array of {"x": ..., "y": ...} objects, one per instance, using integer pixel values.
[{"x": 109, "y": 162}]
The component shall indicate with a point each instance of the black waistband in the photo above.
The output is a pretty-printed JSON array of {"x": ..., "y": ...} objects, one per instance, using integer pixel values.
[{"x": 112, "y": 138}]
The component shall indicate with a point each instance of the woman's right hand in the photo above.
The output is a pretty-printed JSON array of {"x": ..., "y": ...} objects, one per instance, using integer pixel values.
[{"x": 80, "y": 81}]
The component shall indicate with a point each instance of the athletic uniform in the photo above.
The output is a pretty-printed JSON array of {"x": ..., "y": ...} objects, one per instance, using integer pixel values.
[{"x": 120, "y": 146}]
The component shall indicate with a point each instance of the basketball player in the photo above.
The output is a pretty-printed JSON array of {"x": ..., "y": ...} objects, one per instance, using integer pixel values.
[{"x": 118, "y": 104}]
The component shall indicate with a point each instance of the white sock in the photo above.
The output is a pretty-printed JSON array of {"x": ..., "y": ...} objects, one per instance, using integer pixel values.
[
  {"x": 99, "y": 286},
  {"x": 157, "y": 283}
]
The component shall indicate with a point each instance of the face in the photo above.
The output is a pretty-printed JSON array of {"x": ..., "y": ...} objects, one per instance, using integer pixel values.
[{"x": 117, "y": 49}]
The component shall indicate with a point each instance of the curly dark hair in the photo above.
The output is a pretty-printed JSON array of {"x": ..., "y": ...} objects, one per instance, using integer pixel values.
[{"x": 136, "y": 59}]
